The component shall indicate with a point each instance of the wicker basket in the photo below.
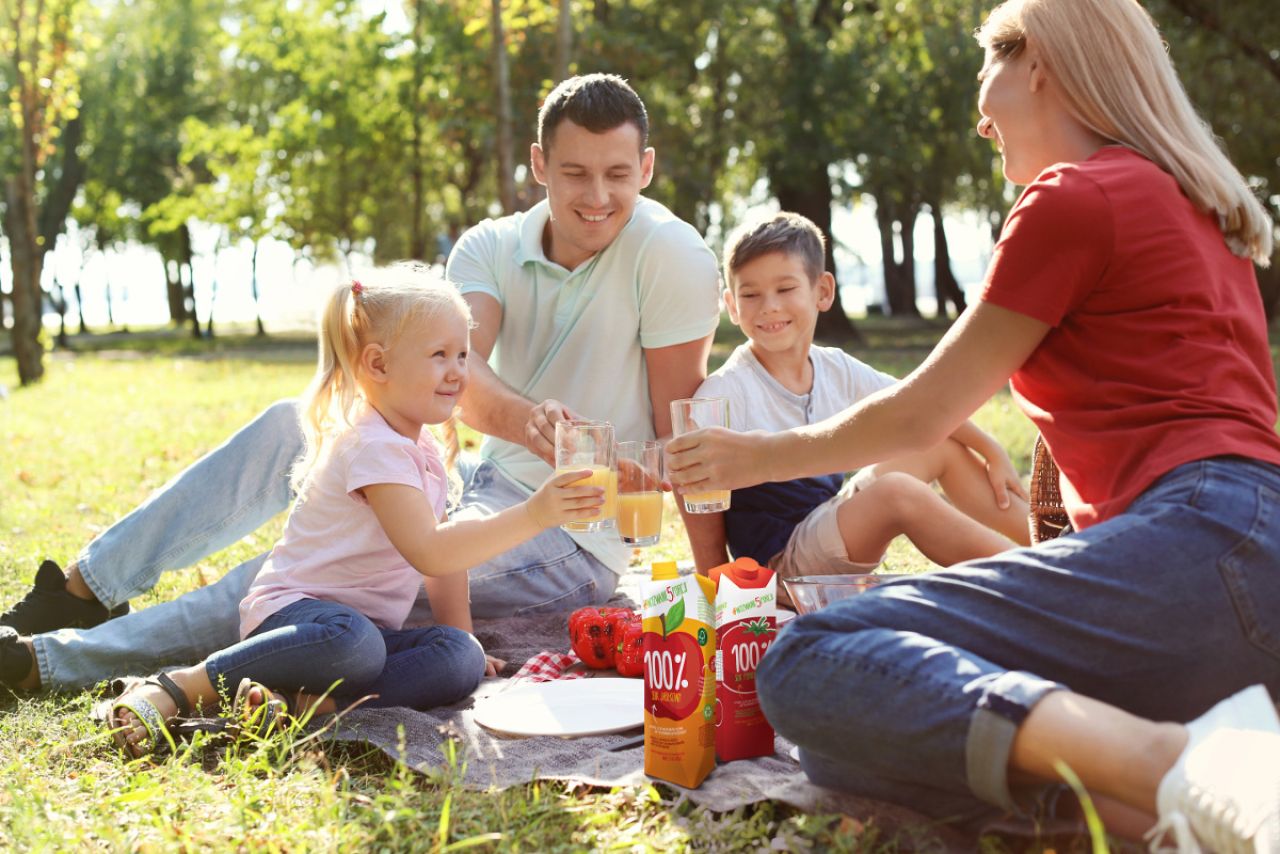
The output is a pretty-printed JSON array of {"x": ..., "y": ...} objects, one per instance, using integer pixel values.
[{"x": 1047, "y": 518}]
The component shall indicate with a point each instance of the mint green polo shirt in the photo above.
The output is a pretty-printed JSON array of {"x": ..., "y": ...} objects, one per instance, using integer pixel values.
[{"x": 578, "y": 336}]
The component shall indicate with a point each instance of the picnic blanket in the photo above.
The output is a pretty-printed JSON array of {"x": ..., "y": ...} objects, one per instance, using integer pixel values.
[{"x": 490, "y": 760}]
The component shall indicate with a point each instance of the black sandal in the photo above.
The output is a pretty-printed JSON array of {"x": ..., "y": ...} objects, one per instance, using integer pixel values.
[{"x": 159, "y": 738}]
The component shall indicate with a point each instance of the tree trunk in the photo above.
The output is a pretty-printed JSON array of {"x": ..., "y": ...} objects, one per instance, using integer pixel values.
[
  {"x": 173, "y": 289},
  {"x": 417, "y": 232},
  {"x": 946, "y": 288},
  {"x": 62, "y": 184},
  {"x": 192, "y": 314},
  {"x": 111, "y": 316},
  {"x": 25, "y": 260},
  {"x": 60, "y": 303},
  {"x": 253, "y": 279},
  {"x": 811, "y": 197},
  {"x": 502, "y": 89},
  {"x": 907, "y": 235},
  {"x": 564, "y": 40},
  {"x": 889, "y": 264},
  {"x": 84, "y": 329},
  {"x": 899, "y": 275}
]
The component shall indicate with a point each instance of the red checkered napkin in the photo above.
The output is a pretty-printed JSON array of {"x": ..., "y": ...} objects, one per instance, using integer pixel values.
[{"x": 547, "y": 666}]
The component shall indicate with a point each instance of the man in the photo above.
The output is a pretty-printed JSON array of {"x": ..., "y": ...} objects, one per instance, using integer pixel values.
[{"x": 595, "y": 303}]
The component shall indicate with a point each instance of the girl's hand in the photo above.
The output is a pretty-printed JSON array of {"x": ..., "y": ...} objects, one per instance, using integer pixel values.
[
  {"x": 493, "y": 666},
  {"x": 557, "y": 501}
]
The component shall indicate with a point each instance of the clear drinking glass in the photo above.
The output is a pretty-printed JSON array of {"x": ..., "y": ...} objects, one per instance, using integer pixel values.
[
  {"x": 589, "y": 445},
  {"x": 640, "y": 492},
  {"x": 691, "y": 414}
]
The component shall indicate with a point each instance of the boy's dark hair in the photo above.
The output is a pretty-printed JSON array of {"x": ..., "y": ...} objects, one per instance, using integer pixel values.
[
  {"x": 597, "y": 102},
  {"x": 790, "y": 233}
]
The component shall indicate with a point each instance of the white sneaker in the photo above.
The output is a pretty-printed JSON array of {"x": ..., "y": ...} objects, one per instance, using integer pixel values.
[{"x": 1223, "y": 793}]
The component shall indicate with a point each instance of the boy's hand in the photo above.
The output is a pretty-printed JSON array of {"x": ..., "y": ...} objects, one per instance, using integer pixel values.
[
  {"x": 493, "y": 666},
  {"x": 1004, "y": 479},
  {"x": 557, "y": 501}
]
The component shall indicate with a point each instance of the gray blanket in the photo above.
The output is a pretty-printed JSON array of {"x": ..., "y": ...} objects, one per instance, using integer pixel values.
[{"x": 490, "y": 760}]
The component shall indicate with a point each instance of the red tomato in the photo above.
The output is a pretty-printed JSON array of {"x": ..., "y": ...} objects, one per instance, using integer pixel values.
[
  {"x": 594, "y": 634},
  {"x": 630, "y": 652}
]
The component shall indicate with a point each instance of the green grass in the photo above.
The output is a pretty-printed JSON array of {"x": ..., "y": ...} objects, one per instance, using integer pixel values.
[{"x": 107, "y": 427}]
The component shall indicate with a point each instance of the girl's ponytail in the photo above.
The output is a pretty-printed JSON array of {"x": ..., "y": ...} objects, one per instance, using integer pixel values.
[{"x": 331, "y": 394}]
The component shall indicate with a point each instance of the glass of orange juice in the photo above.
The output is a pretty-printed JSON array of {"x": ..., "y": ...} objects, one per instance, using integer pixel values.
[
  {"x": 583, "y": 445},
  {"x": 691, "y": 414},
  {"x": 640, "y": 492}
]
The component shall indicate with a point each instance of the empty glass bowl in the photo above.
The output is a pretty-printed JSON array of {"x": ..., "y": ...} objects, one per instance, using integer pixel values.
[{"x": 814, "y": 592}]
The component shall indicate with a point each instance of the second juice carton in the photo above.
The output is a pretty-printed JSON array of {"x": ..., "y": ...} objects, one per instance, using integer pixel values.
[{"x": 746, "y": 614}]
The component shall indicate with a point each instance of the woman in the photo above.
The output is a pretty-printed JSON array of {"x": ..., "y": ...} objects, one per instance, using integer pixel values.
[{"x": 1122, "y": 302}]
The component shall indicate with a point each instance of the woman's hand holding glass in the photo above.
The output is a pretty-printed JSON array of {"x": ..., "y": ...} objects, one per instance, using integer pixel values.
[
  {"x": 717, "y": 458},
  {"x": 558, "y": 501}
]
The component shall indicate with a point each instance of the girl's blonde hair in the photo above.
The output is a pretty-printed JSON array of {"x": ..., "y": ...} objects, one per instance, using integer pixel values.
[
  {"x": 375, "y": 309},
  {"x": 1118, "y": 80}
]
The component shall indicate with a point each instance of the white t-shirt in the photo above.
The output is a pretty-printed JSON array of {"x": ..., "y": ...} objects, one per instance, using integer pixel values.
[
  {"x": 761, "y": 519},
  {"x": 757, "y": 401},
  {"x": 578, "y": 336},
  {"x": 333, "y": 547}
]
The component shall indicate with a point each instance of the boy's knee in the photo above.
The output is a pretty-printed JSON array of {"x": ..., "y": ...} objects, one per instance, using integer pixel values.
[{"x": 901, "y": 493}]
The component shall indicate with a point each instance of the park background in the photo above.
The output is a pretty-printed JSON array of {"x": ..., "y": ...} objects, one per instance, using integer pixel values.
[{"x": 183, "y": 180}]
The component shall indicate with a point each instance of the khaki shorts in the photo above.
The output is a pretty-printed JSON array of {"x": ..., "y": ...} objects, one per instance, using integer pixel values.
[{"x": 816, "y": 547}]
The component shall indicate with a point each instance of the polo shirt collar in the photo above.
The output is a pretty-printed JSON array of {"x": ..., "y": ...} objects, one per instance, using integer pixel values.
[
  {"x": 531, "y": 229},
  {"x": 535, "y": 223}
]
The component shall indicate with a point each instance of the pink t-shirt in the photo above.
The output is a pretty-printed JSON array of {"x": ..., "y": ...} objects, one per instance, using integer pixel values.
[{"x": 333, "y": 547}]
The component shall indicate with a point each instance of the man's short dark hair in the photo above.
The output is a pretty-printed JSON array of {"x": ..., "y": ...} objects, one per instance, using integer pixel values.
[
  {"x": 597, "y": 102},
  {"x": 789, "y": 233}
]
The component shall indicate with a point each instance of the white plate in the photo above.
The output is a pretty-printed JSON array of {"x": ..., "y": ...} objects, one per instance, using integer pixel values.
[{"x": 565, "y": 708}]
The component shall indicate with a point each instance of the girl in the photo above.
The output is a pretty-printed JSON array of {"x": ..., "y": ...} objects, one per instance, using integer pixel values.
[
  {"x": 1122, "y": 301},
  {"x": 329, "y": 604}
]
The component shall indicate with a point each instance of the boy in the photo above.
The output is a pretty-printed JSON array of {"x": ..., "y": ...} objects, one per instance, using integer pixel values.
[{"x": 775, "y": 285}]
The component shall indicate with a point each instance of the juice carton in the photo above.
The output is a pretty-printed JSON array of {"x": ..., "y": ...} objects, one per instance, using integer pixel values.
[
  {"x": 679, "y": 682},
  {"x": 746, "y": 624}
]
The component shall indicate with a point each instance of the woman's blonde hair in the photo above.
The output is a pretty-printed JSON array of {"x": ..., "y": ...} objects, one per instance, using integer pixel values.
[
  {"x": 1117, "y": 79},
  {"x": 376, "y": 309}
]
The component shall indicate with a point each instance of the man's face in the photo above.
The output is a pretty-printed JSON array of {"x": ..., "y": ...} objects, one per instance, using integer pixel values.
[{"x": 593, "y": 181}]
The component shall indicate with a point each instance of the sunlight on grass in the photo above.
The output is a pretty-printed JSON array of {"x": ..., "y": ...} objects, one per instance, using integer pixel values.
[{"x": 89, "y": 444}]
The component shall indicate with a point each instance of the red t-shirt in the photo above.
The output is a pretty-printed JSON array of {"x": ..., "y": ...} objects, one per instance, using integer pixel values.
[{"x": 1158, "y": 354}]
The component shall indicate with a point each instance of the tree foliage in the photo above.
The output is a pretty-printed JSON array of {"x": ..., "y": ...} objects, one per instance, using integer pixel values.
[{"x": 321, "y": 124}]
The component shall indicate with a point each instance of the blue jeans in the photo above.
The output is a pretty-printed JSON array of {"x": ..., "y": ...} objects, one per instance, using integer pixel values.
[
  {"x": 312, "y": 644},
  {"x": 228, "y": 494},
  {"x": 913, "y": 691}
]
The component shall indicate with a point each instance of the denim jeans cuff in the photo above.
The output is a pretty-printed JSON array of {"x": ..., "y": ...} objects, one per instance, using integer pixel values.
[
  {"x": 108, "y": 597},
  {"x": 1001, "y": 709},
  {"x": 42, "y": 663}
]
